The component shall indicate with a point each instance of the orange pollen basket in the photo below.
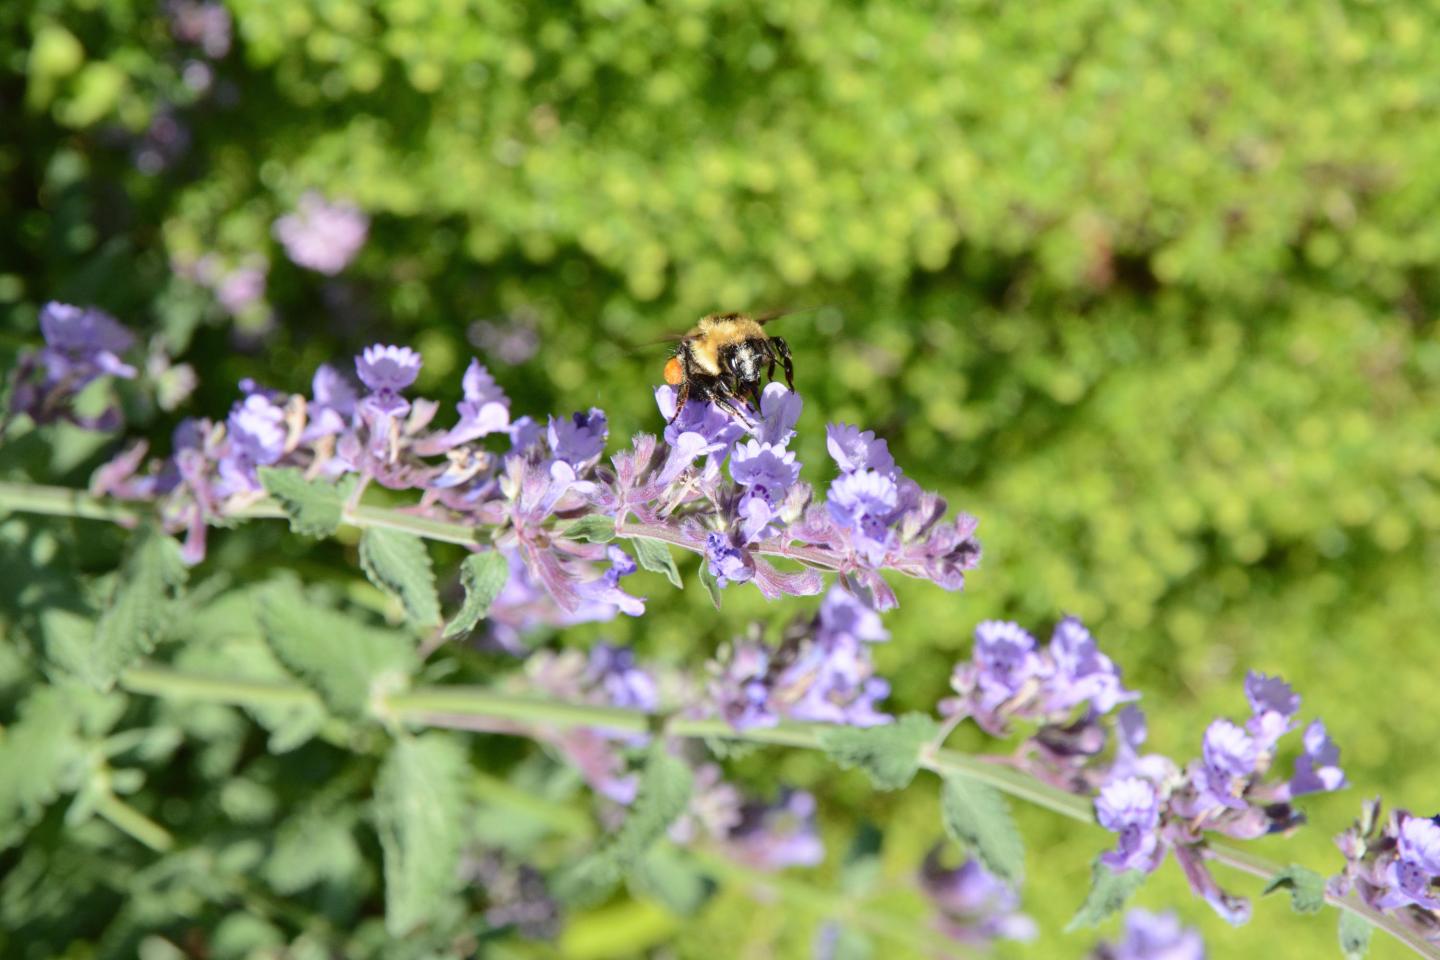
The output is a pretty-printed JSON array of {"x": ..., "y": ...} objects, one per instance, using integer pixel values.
[{"x": 673, "y": 371}]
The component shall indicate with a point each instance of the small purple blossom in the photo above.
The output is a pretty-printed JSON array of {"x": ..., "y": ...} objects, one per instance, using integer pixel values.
[
  {"x": 728, "y": 563},
  {"x": 855, "y": 449},
  {"x": 1317, "y": 770},
  {"x": 973, "y": 906},
  {"x": 865, "y": 503},
  {"x": 1274, "y": 704},
  {"x": 780, "y": 410},
  {"x": 204, "y": 23},
  {"x": 387, "y": 369},
  {"x": 320, "y": 235},
  {"x": 1007, "y": 660},
  {"x": 1153, "y": 936},
  {"x": 580, "y": 437},
  {"x": 625, "y": 684},
  {"x": 82, "y": 344},
  {"x": 773, "y": 837},
  {"x": 1082, "y": 673},
  {"x": 1131, "y": 808}
]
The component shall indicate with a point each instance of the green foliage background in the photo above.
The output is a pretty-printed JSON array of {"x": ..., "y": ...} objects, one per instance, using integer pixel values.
[{"x": 1151, "y": 291}]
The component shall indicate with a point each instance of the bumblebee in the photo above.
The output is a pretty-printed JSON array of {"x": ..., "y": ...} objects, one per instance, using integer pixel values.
[{"x": 721, "y": 361}]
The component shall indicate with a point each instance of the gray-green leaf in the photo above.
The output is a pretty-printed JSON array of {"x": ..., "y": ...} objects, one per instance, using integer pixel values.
[
  {"x": 1354, "y": 936},
  {"x": 138, "y": 611},
  {"x": 483, "y": 575},
  {"x": 977, "y": 815},
  {"x": 669, "y": 876},
  {"x": 663, "y": 796},
  {"x": 654, "y": 555},
  {"x": 1108, "y": 892},
  {"x": 340, "y": 657},
  {"x": 399, "y": 564},
  {"x": 1307, "y": 888},
  {"x": 597, "y": 528},
  {"x": 420, "y": 816},
  {"x": 889, "y": 753},
  {"x": 313, "y": 506}
]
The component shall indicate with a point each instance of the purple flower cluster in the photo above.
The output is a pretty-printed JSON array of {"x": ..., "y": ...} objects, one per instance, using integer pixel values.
[
  {"x": 322, "y": 236},
  {"x": 1394, "y": 865},
  {"x": 1155, "y": 807},
  {"x": 821, "y": 672},
  {"x": 1153, "y": 936},
  {"x": 972, "y": 905},
  {"x": 82, "y": 344}
]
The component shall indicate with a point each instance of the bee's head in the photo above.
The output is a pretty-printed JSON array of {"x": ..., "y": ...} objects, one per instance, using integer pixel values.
[{"x": 743, "y": 360}]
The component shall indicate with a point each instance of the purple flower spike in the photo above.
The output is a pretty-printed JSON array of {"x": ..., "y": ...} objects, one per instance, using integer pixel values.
[
  {"x": 1230, "y": 757},
  {"x": 1153, "y": 936},
  {"x": 727, "y": 563},
  {"x": 84, "y": 341},
  {"x": 1131, "y": 808},
  {"x": 387, "y": 369},
  {"x": 1082, "y": 672},
  {"x": 1006, "y": 660},
  {"x": 1317, "y": 770},
  {"x": 764, "y": 470},
  {"x": 485, "y": 409},
  {"x": 864, "y": 503}
]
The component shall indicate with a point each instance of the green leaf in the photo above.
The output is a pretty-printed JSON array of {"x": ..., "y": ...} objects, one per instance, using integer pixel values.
[
  {"x": 41, "y": 757},
  {"x": 310, "y": 848},
  {"x": 889, "y": 753},
  {"x": 420, "y": 816},
  {"x": 654, "y": 555},
  {"x": 399, "y": 564},
  {"x": 1307, "y": 888},
  {"x": 663, "y": 796},
  {"x": 597, "y": 528},
  {"x": 483, "y": 575},
  {"x": 669, "y": 876},
  {"x": 712, "y": 586},
  {"x": 315, "y": 507},
  {"x": 1108, "y": 892},
  {"x": 340, "y": 657},
  {"x": 135, "y": 619},
  {"x": 1354, "y": 936},
  {"x": 977, "y": 815}
]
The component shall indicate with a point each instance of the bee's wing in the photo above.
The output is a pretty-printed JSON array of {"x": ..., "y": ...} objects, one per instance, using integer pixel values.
[
  {"x": 765, "y": 317},
  {"x": 653, "y": 345}
]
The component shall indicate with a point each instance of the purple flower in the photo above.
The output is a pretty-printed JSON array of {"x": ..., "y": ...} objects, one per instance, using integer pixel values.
[
  {"x": 706, "y": 419},
  {"x": 1153, "y": 936},
  {"x": 1230, "y": 757},
  {"x": 1274, "y": 704},
  {"x": 765, "y": 470},
  {"x": 606, "y": 589},
  {"x": 626, "y": 685},
  {"x": 241, "y": 288},
  {"x": 580, "y": 437},
  {"x": 728, "y": 564},
  {"x": 973, "y": 905},
  {"x": 1006, "y": 660},
  {"x": 332, "y": 403},
  {"x": 83, "y": 343},
  {"x": 778, "y": 836},
  {"x": 387, "y": 370},
  {"x": 1317, "y": 770},
  {"x": 1082, "y": 672},
  {"x": 740, "y": 689},
  {"x": 855, "y": 449},
  {"x": 322, "y": 236},
  {"x": 485, "y": 409},
  {"x": 1131, "y": 808},
  {"x": 1413, "y": 872},
  {"x": 257, "y": 427},
  {"x": 864, "y": 503},
  {"x": 779, "y": 412},
  {"x": 204, "y": 24}
]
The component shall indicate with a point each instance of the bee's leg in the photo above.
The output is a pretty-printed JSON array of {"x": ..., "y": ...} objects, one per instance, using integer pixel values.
[
  {"x": 755, "y": 394},
  {"x": 724, "y": 398},
  {"x": 781, "y": 349},
  {"x": 680, "y": 400}
]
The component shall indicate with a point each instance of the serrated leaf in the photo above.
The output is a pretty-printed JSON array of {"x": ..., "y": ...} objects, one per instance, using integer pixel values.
[
  {"x": 41, "y": 756},
  {"x": 671, "y": 877},
  {"x": 663, "y": 796},
  {"x": 977, "y": 815},
  {"x": 483, "y": 575},
  {"x": 340, "y": 657},
  {"x": 135, "y": 619},
  {"x": 654, "y": 555},
  {"x": 1108, "y": 892},
  {"x": 311, "y": 848},
  {"x": 315, "y": 507},
  {"x": 596, "y": 528},
  {"x": 707, "y": 579},
  {"x": 399, "y": 564},
  {"x": 420, "y": 816},
  {"x": 1354, "y": 936},
  {"x": 889, "y": 753},
  {"x": 1307, "y": 888}
]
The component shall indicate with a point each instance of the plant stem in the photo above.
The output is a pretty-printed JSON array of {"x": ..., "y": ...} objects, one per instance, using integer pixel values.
[
  {"x": 459, "y": 707},
  {"x": 126, "y": 818}
]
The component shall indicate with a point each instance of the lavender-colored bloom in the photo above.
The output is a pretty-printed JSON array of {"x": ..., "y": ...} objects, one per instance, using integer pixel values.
[
  {"x": 778, "y": 836},
  {"x": 855, "y": 449},
  {"x": 241, "y": 288},
  {"x": 580, "y": 437},
  {"x": 740, "y": 688},
  {"x": 973, "y": 905},
  {"x": 728, "y": 564},
  {"x": 1153, "y": 936},
  {"x": 257, "y": 428},
  {"x": 485, "y": 409},
  {"x": 1317, "y": 770},
  {"x": 1082, "y": 672},
  {"x": 865, "y": 503},
  {"x": 1131, "y": 733},
  {"x": 1415, "y": 868},
  {"x": 1006, "y": 660},
  {"x": 83, "y": 343},
  {"x": 706, "y": 419},
  {"x": 626, "y": 685},
  {"x": 205, "y": 24},
  {"x": 1230, "y": 757},
  {"x": 1131, "y": 808},
  {"x": 779, "y": 412},
  {"x": 322, "y": 236},
  {"x": 606, "y": 589},
  {"x": 765, "y": 470},
  {"x": 1274, "y": 704},
  {"x": 387, "y": 369},
  {"x": 332, "y": 403}
]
